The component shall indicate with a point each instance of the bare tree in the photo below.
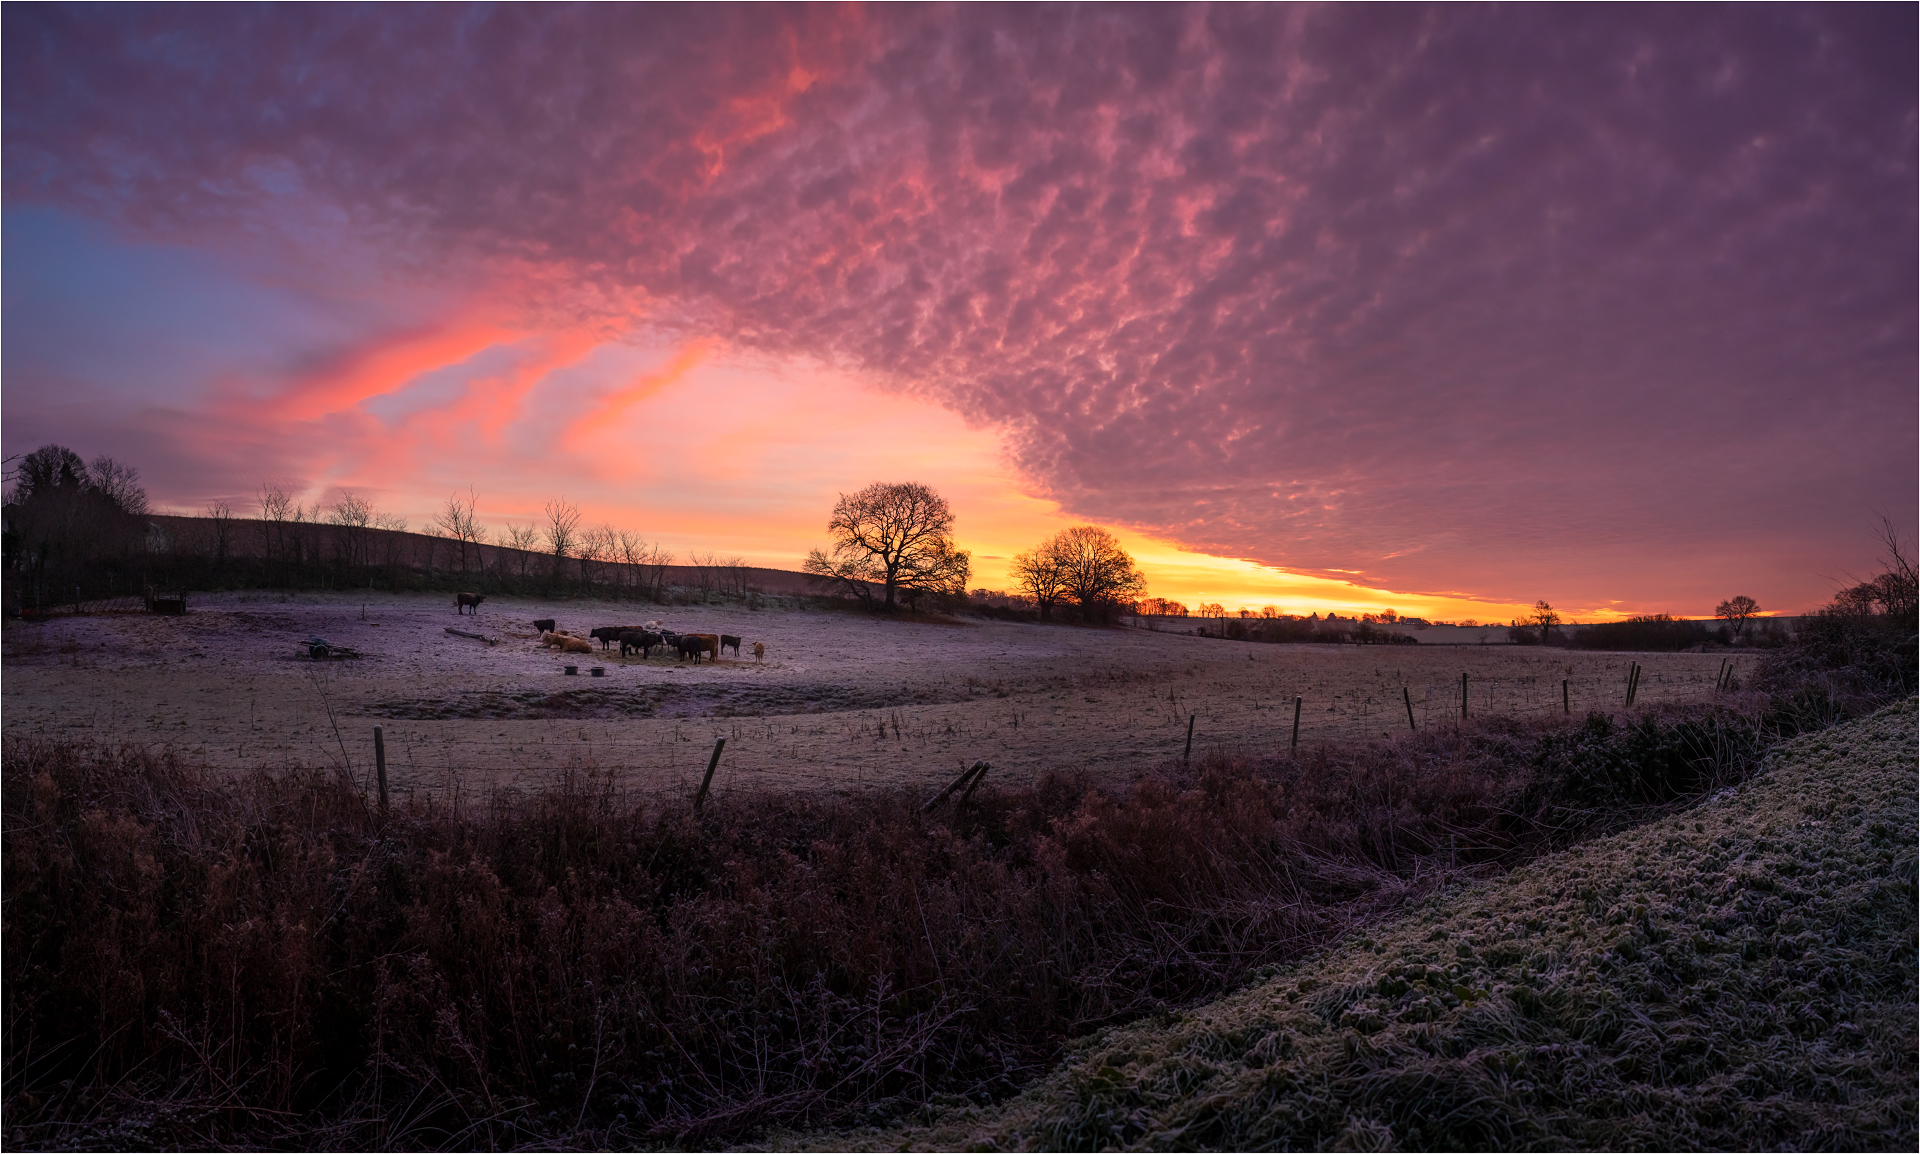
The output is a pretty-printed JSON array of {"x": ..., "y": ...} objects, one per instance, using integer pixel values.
[
  {"x": 277, "y": 514},
  {"x": 1735, "y": 611},
  {"x": 1042, "y": 575},
  {"x": 702, "y": 565},
  {"x": 896, "y": 536},
  {"x": 1545, "y": 617},
  {"x": 220, "y": 532},
  {"x": 733, "y": 575},
  {"x": 631, "y": 546},
  {"x": 562, "y": 531},
  {"x": 597, "y": 547},
  {"x": 525, "y": 539},
  {"x": 1097, "y": 573},
  {"x": 351, "y": 517},
  {"x": 1899, "y": 586},
  {"x": 458, "y": 523},
  {"x": 654, "y": 562},
  {"x": 119, "y": 484}
]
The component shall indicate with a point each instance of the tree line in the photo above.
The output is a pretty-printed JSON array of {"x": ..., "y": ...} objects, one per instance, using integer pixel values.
[{"x": 77, "y": 530}]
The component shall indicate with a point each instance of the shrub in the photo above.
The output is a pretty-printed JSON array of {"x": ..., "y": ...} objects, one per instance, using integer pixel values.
[{"x": 1657, "y": 633}]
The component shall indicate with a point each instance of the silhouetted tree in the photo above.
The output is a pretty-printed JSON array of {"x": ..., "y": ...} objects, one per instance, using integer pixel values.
[
  {"x": 1099, "y": 575},
  {"x": 896, "y": 536},
  {"x": 64, "y": 518},
  {"x": 1545, "y": 618},
  {"x": 1042, "y": 575},
  {"x": 1735, "y": 611},
  {"x": 563, "y": 531}
]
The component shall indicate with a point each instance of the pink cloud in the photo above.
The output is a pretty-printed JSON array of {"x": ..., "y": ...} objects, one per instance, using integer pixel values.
[{"x": 1510, "y": 300}]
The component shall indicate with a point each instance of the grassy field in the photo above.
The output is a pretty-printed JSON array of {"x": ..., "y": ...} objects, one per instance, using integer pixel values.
[
  {"x": 1739, "y": 975},
  {"x": 841, "y": 702},
  {"x": 201, "y": 956}
]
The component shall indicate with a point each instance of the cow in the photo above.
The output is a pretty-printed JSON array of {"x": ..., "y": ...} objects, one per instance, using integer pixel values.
[
  {"x": 688, "y": 645},
  {"x": 725, "y": 641},
  {"x": 461, "y": 602},
  {"x": 638, "y": 639},
  {"x": 571, "y": 644},
  {"x": 606, "y": 635},
  {"x": 759, "y": 650},
  {"x": 708, "y": 643},
  {"x": 544, "y": 625}
]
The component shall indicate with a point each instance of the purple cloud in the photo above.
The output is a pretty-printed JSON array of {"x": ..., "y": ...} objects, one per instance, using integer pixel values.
[{"x": 1611, "y": 301}]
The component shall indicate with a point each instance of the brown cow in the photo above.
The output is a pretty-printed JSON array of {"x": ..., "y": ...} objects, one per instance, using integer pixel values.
[
  {"x": 461, "y": 601},
  {"x": 703, "y": 643}
]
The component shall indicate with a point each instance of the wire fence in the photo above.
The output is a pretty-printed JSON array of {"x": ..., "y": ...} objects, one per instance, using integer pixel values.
[{"x": 922, "y": 746}]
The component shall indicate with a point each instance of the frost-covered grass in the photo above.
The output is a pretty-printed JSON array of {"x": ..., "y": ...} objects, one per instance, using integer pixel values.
[{"x": 1740, "y": 975}]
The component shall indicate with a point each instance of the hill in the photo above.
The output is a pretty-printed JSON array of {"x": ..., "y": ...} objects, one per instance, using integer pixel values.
[{"x": 1739, "y": 975}]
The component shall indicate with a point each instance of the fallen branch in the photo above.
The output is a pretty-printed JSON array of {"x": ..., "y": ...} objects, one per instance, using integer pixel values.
[{"x": 475, "y": 636}]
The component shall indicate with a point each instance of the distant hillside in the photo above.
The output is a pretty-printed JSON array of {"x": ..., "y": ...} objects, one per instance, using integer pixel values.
[
  {"x": 315, "y": 550},
  {"x": 1740, "y": 975}
]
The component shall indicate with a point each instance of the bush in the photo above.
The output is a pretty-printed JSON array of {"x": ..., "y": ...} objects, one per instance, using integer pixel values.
[{"x": 1657, "y": 633}]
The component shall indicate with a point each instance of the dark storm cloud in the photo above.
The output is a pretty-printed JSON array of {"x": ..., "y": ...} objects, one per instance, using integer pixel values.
[{"x": 1497, "y": 299}]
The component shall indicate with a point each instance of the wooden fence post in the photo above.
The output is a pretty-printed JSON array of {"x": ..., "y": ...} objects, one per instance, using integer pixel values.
[
  {"x": 1566, "y": 698},
  {"x": 380, "y": 767},
  {"x": 974, "y": 784},
  {"x": 1406, "y": 694},
  {"x": 1463, "y": 697},
  {"x": 700, "y": 799},
  {"x": 976, "y": 771},
  {"x": 1188, "y": 755},
  {"x": 1296, "y": 725}
]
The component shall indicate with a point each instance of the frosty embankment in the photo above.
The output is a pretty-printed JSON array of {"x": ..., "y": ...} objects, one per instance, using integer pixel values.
[{"x": 1739, "y": 975}]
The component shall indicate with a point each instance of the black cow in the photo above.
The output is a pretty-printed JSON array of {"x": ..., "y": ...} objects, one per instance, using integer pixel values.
[
  {"x": 544, "y": 625},
  {"x": 606, "y": 635},
  {"x": 733, "y": 642},
  {"x": 687, "y": 643},
  {"x": 638, "y": 639}
]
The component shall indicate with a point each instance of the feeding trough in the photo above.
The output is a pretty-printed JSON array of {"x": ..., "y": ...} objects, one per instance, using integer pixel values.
[{"x": 166, "y": 606}]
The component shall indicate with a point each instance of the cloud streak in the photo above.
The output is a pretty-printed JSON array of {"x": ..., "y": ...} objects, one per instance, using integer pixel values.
[{"x": 1505, "y": 300}]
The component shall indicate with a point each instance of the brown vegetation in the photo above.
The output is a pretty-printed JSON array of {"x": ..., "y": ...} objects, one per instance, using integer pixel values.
[{"x": 201, "y": 959}]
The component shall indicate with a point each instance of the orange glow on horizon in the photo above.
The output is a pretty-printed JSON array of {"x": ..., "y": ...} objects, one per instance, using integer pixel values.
[{"x": 703, "y": 452}]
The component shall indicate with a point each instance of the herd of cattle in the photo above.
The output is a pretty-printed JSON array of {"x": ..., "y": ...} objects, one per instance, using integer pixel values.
[{"x": 641, "y": 639}]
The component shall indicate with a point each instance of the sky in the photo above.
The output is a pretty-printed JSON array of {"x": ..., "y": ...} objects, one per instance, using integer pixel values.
[{"x": 1447, "y": 309}]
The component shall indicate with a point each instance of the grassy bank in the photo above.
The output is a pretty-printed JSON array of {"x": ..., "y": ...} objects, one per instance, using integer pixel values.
[{"x": 1737, "y": 975}]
